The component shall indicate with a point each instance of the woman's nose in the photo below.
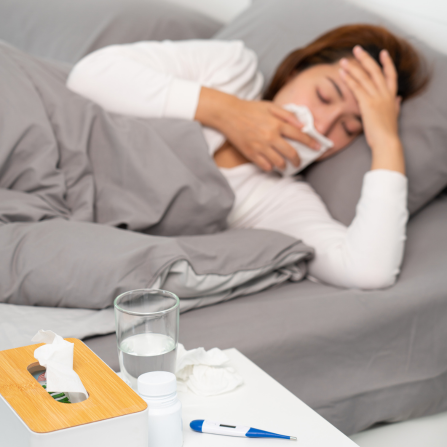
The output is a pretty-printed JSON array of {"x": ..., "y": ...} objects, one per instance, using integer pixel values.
[
  {"x": 323, "y": 126},
  {"x": 326, "y": 121}
]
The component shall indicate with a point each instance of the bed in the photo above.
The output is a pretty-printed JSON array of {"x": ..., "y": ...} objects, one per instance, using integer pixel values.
[{"x": 357, "y": 357}]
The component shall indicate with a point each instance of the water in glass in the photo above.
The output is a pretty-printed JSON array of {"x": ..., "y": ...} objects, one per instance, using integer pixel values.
[{"x": 146, "y": 352}]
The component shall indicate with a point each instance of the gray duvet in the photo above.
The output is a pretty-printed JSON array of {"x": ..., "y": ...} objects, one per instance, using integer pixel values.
[{"x": 74, "y": 180}]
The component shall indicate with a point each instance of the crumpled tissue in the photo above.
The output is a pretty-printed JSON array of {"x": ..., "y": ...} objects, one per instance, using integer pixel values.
[
  {"x": 57, "y": 357},
  {"x": 307, "y": 155},
  {"x": 204, "y": 372}
]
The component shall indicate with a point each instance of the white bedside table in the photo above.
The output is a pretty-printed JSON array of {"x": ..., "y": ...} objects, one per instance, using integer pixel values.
[{"x": 261, "y": 403}]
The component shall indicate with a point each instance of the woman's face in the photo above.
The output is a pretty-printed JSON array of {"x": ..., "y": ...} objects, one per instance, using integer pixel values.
[{"x": 333, "y": 105}]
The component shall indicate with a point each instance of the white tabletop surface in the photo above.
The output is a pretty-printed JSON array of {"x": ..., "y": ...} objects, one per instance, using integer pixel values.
[{"x": 260, "y": 403}]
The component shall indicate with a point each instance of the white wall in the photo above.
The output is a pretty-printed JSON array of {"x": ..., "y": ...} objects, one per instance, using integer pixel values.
[{"x": 426, "y": 19}]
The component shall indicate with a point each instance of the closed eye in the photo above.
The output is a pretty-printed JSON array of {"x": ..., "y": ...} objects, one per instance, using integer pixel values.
[
  {"x": 347, "y": 131},
  {"x": 321, "y": 98}
]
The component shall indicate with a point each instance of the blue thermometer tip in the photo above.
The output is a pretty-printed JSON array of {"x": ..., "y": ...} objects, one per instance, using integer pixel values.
[
  {"x": 197, "y": 425},
  {"x": 256, "y": 433}
]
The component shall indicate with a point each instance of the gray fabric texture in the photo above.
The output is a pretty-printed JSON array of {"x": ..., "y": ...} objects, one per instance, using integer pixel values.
[
  {"x": 67, "y": 166},
  {"x": 60, "y": 285},
  {"x": 63, "y": 156},
  {"x": 67, "y": 30},
  {"x": 274, "y": 29},
  {"x": 60, "y": 263},
  {"x": 356, "y": 357}
]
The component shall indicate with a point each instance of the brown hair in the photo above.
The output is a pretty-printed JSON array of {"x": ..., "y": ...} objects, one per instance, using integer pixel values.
[{"x": 332, "y": 46}]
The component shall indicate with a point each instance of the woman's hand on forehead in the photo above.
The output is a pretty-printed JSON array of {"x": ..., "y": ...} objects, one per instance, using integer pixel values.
[{"x": 375, "y": 90}]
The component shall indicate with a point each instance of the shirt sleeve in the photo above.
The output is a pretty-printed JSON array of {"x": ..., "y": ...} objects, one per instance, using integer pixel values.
[
  {"x": 365, "y": 255},
  {"x": 163, "y": 79}
]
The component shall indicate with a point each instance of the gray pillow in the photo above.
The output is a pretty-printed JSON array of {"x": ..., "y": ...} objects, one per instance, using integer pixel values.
[
  {"x": 67, "y": 30},
  {"x": 275, "y": 28}
]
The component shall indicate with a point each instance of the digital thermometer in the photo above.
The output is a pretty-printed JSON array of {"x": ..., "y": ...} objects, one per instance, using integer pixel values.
[{"x": 233, "y": 430}]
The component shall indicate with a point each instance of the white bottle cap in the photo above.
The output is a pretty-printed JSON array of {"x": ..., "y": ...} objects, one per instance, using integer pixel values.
[{"x": 157, "y": 383}]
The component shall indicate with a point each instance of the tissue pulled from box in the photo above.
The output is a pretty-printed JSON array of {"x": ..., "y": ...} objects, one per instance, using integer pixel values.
[
  {"x": 204, "y": 372},
  {"x": 57, "y": 358}
]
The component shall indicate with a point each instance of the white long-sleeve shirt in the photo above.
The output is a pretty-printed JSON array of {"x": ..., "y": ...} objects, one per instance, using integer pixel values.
[{"x": 163, "y": 79}]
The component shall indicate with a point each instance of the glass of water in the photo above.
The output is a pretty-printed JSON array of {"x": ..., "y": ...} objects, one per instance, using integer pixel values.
[{"x": 147, "y": 323}]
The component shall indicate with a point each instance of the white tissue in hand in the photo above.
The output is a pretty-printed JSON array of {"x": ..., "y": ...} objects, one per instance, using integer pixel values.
[
  {"x": 307, "y": 155},
  {"x": 57, "y": 357},
  {"x": 204, "y": 372}
]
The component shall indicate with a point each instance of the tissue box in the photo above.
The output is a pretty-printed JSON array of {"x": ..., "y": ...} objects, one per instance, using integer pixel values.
[{"x": 113, "y": 415}]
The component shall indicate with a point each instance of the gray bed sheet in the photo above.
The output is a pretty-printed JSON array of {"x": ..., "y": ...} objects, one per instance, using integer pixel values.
[{"x": 357, "y": 357}]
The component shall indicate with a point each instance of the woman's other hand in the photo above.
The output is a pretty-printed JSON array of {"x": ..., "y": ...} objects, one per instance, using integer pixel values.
[
  {"x": 257, "y": 129},
  {"x": 375, "y": 90}
]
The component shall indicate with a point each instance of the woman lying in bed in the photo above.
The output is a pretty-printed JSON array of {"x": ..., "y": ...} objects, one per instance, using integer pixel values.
[{"x": 352, "y": 79}]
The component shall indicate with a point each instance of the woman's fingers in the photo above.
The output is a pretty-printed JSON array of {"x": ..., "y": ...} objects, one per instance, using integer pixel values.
[
  {"x": 385, "y": 79},
  {"x": 273, "y": 157},
  {"x": 297, "y": 135},
  {"x": 371, "y": 67},
  {"x": 353, "y": 84},
  {"x": 286, "y": 151},
  {"x": 359, "y": 74},
  {"x": 262, "y": 162},
  {"x": 259, "y": 131},
  {"x": 389, "y": 71},
  {"x": 292, "y": 129},
  {"x": 375, "y": 91}
]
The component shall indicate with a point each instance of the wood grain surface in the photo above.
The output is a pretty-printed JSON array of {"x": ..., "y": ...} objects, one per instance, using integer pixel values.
[{"x": 109, "y": 396}]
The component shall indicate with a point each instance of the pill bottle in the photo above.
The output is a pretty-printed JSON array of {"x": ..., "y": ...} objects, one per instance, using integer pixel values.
[{"x": 159, "y": 390}]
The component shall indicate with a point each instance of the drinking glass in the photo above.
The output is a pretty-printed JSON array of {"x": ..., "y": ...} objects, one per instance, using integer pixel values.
[{"x": 147, "y": 323}]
